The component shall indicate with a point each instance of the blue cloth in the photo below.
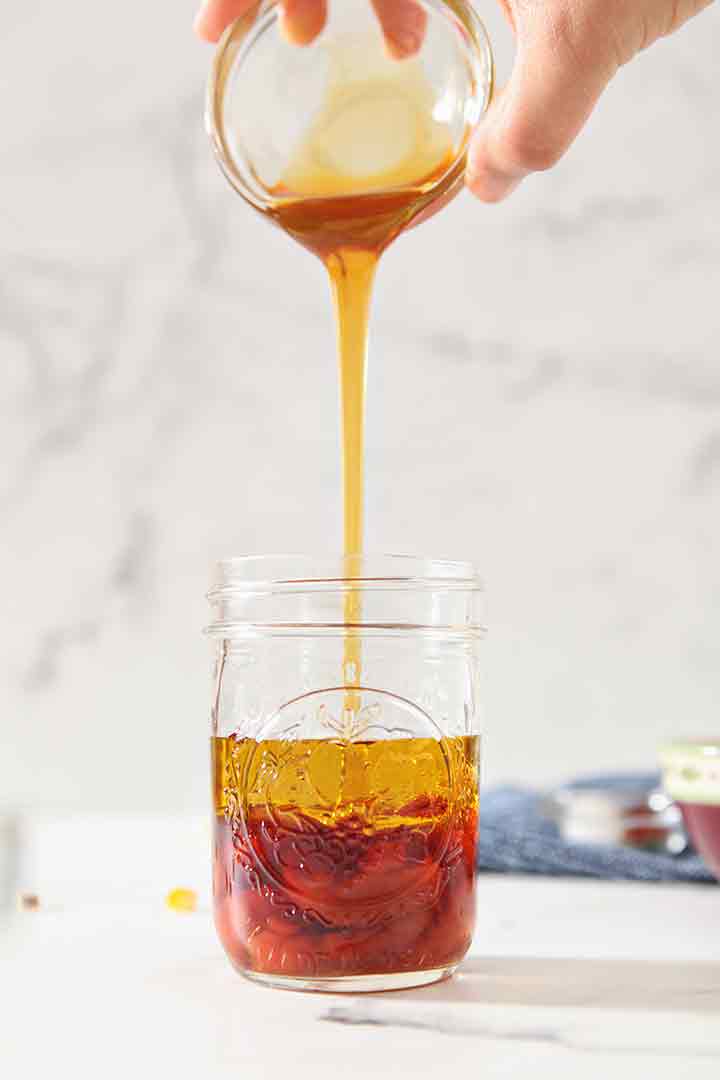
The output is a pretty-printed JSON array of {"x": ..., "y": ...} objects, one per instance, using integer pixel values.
[{"x": 516, "y": 837}]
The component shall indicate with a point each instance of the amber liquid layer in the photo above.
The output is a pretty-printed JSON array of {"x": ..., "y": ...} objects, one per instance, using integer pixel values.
[{"x": 341, "y": 859}]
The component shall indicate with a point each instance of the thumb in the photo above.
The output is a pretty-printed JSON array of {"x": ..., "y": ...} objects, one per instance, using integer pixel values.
[{"x": 556, "y": 81}]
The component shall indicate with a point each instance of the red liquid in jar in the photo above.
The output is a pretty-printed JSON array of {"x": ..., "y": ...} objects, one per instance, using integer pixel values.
[{"x": 364, "y": 885}]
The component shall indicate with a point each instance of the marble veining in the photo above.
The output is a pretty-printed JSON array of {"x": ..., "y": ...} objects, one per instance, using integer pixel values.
[
  {"x": 452, "y": 1023},
  {"x": 447, "y": 1023}
]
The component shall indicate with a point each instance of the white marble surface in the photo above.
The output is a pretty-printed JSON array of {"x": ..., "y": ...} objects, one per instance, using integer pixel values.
[
  {"x": 566, "y": 979},
  {"x": 544, "y": 398}
]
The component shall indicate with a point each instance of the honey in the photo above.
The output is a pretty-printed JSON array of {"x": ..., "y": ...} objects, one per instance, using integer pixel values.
[
  {"x": 336, "y": 859},
  {"x": 371, "y": 162}
]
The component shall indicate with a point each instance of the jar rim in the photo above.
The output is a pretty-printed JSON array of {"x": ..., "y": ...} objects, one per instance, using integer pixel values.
[
  {"x": 255, "y": 595},
  {"x": 299, "y": 571}
]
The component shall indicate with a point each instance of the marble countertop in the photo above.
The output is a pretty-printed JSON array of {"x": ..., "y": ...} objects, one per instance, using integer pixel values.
[{"x": 569, "y": 978}]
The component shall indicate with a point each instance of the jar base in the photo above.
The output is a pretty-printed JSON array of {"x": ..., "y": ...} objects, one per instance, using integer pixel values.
[{"x": 353, "y": 984}]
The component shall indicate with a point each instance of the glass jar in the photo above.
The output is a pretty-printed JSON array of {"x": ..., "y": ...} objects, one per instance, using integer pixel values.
[{"x": 345, "y": 768}]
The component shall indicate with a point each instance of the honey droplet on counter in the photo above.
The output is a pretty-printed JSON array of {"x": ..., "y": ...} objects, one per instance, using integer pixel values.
[
  {"x": 182, "y": 900},
  {"x": 28, "y": 901}
]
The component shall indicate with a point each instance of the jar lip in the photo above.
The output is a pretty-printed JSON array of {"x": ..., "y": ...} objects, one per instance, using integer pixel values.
[{"x": 302, "y": 571}]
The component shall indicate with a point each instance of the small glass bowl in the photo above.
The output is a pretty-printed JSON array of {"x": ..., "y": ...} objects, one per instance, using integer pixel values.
[
  {"x": 264, "y": 92},
  {"x": 628, "y": 811}
]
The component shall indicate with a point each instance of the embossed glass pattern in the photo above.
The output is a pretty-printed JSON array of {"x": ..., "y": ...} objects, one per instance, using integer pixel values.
[{"x": 345, "y": 802}]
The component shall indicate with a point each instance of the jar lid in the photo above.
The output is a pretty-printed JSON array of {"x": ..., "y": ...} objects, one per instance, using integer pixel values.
[{"x": 691, "y": 770}]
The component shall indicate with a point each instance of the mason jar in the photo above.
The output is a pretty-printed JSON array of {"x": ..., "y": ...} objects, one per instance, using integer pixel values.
[{"x": 345, "y": 759}]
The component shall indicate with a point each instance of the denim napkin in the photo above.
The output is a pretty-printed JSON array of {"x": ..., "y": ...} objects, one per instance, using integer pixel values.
[{"x": 515, "y": 836}]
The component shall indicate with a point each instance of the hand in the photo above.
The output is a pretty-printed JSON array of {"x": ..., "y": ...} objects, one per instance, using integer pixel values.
[
  {"x": 567, "y": 52},
  {"x": 402, "y": 21}
]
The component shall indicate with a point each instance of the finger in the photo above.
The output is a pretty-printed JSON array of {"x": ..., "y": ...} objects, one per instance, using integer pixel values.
[
  {"x": 557, "y": 79},
  {"x": 215, "y": 15},
  {"x": 403, "y": 23},
  {"x": 302, "y": 20}
]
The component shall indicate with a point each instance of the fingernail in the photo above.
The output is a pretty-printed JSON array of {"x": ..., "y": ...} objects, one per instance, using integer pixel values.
[
  {"x": 302, "y": 23},
  {"x": 483, "y": 178},
  {"x": 201, "y": 25},
  {"x": 404, "y": 43},
  {"x": 490, "y": 186}
]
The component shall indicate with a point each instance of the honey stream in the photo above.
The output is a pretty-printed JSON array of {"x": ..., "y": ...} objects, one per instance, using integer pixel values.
[{"x": 371, "y": 162}]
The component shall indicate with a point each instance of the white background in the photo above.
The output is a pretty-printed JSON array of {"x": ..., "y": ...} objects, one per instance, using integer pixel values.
[{"x": 544, "y": 399}]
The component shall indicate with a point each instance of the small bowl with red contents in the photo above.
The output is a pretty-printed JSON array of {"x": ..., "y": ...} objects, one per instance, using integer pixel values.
[{"x": 691, "y": 776}]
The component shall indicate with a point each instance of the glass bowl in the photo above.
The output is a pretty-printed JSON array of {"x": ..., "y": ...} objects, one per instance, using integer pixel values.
[
  {"x": 265, "y": 94},
  {"x": 691, "y": 776}
]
